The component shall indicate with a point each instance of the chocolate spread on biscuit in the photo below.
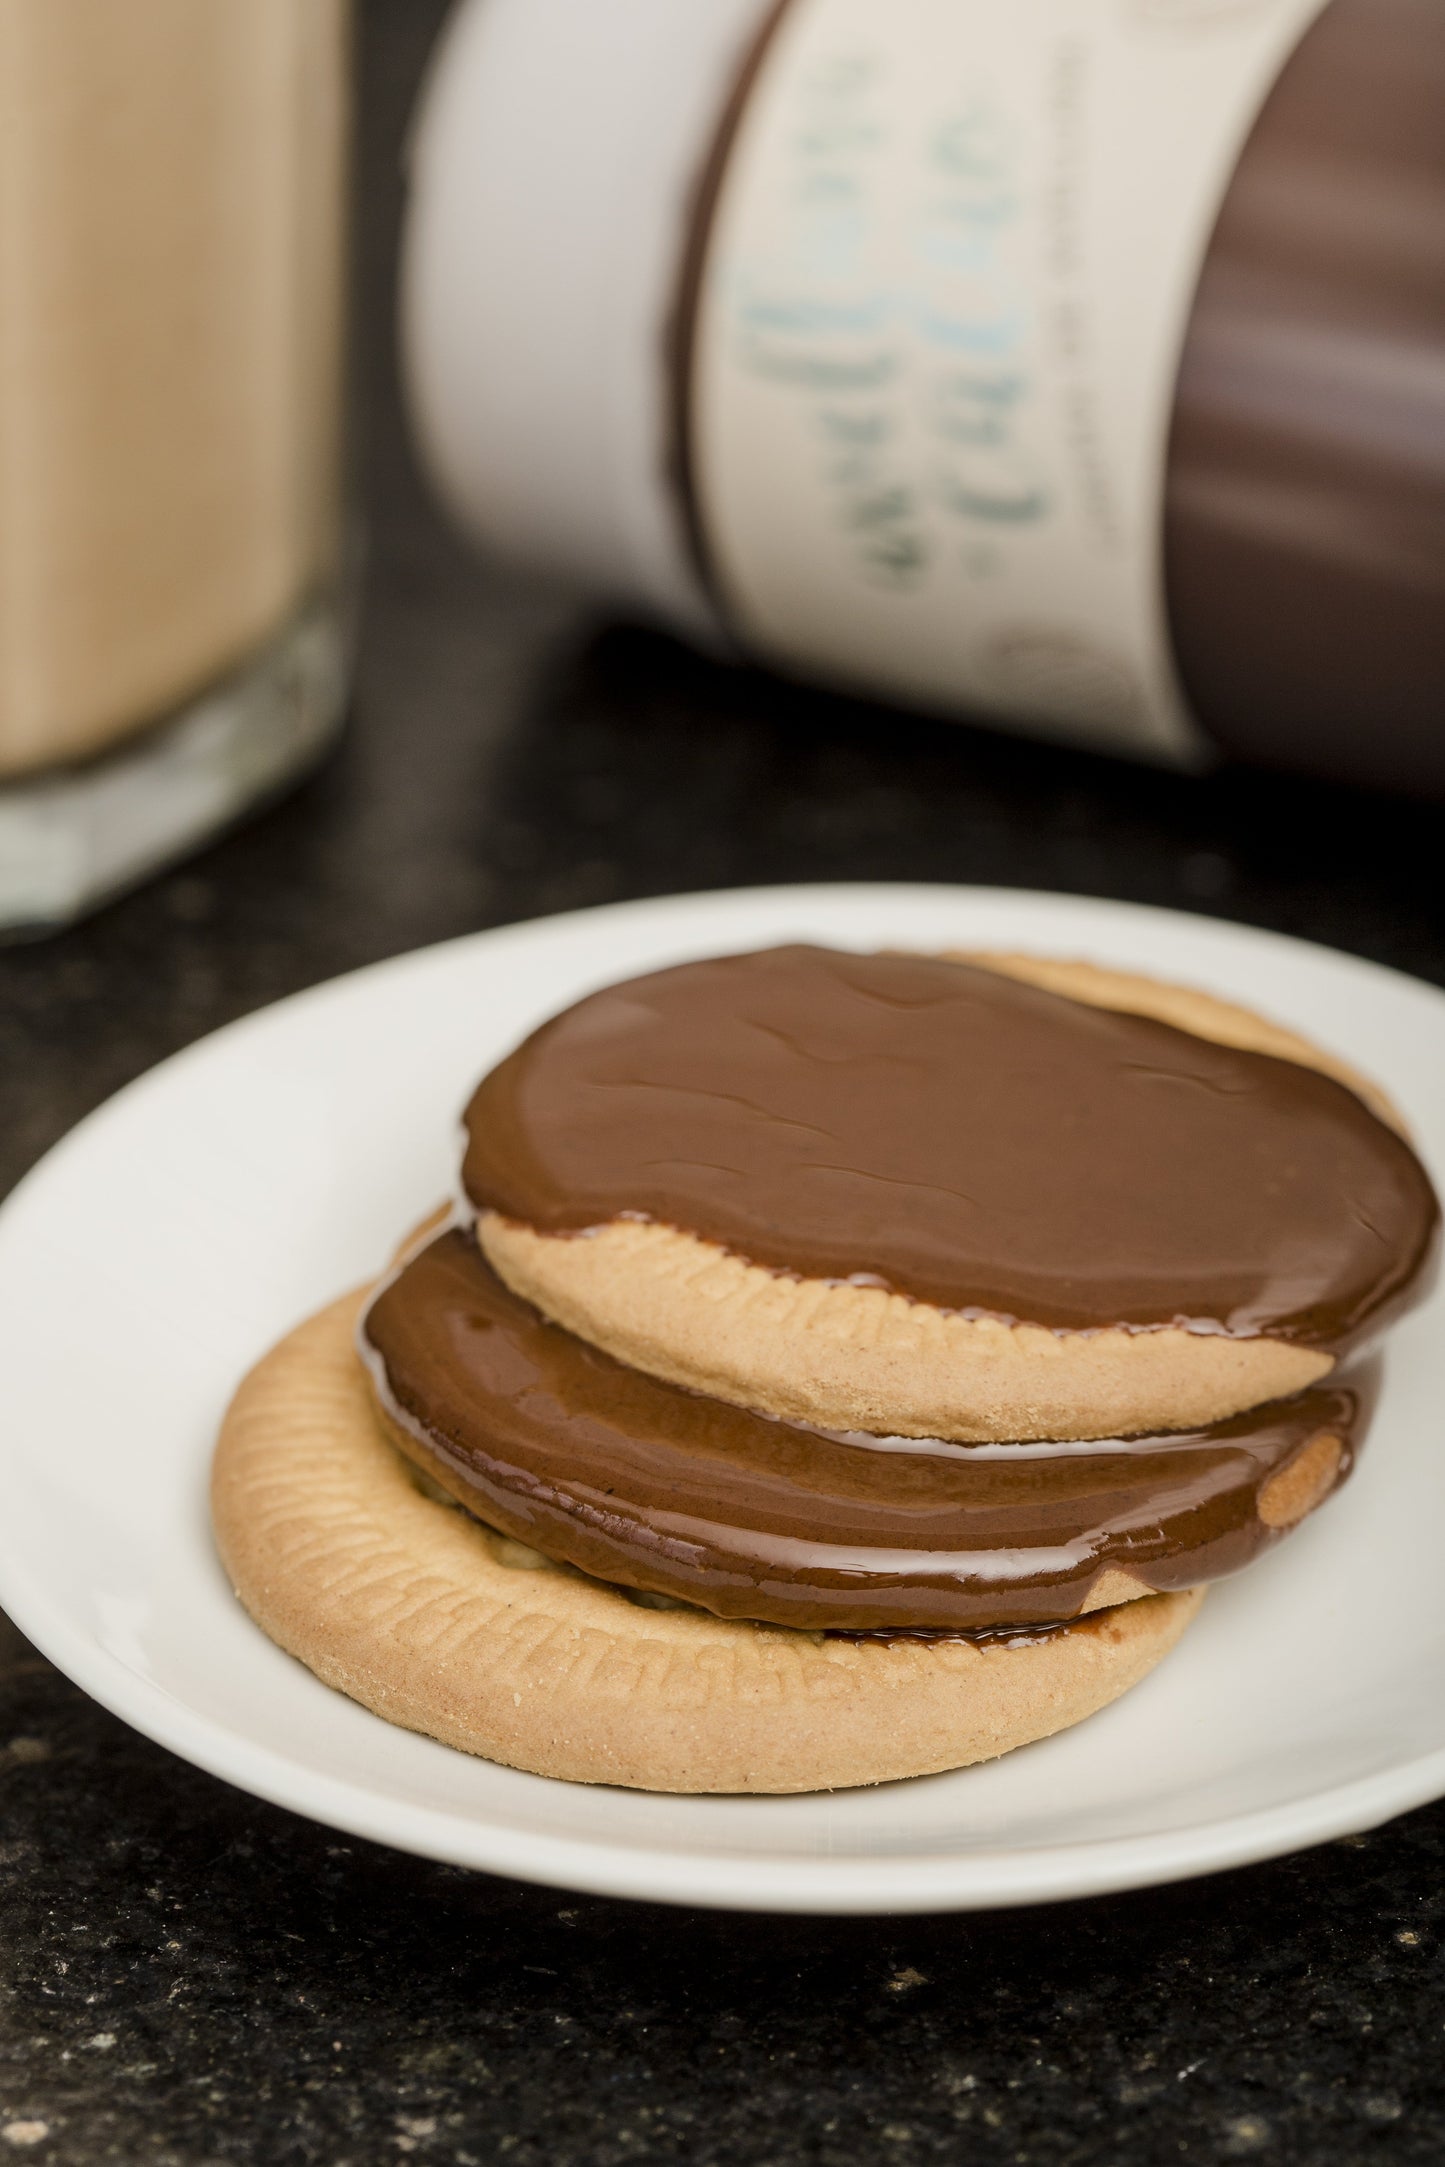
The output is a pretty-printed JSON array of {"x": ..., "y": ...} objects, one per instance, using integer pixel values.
[
  {"x": 655, "y": 1487},
  {"x": 964, "y": 1139},
  {"x": 977, "y": 1636}
]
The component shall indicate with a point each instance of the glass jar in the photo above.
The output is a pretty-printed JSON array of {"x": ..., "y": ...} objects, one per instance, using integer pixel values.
[
  {"x": 172, "y": 288},
  {"x": 1076, "y": 365}
]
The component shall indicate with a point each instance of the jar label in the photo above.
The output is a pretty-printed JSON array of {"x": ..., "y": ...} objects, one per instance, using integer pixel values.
[{"x": 947, "y": 285}]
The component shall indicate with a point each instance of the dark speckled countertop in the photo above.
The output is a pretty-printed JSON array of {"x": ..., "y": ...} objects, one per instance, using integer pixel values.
[{"x": 190, "y": 1977}]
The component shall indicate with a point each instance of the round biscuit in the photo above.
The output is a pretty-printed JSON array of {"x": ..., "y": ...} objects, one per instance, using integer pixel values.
[
  {"x": 409, "y": 1606},
  {"x": 857, "y": 1357}
]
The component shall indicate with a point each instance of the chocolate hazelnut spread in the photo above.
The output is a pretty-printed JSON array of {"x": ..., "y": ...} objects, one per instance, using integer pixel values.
[
  {"x": 1303, "y": 515},
  {"x": 963, "y": 1139},
  {"x": 654, "y": 1487},
  {"x": 1073, "y": 366},
  {"x": 1305, "y": 504}
]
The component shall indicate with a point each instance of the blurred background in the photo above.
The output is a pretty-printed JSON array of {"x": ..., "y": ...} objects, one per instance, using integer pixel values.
[
  {"x": 509, "y": 750},
  {"x": 193, "y": 1976}
]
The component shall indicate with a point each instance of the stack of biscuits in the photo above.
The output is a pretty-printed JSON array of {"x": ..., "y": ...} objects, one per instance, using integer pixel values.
[{"x": 835, "y": 1368}]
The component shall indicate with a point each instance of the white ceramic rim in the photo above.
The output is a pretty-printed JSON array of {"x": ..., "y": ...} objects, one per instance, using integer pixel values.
[{"x": 762, "y": 1881}]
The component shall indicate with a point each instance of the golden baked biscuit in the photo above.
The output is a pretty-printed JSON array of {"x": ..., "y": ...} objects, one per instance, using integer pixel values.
[
  {"x": 1136, "y": 1245},
  {"x": 409, "y": 1606},
  {"x": 666, "y": 1299}
]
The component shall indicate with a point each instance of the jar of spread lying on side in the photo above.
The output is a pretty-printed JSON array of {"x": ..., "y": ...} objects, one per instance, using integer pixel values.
[
  {"x": 1079, "y": 364},
  {"x": 172, "y": 630}
]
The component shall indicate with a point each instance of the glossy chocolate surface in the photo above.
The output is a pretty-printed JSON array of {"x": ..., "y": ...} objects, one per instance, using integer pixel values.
[
  {"x": 977, "y": 1636},
  {"x": 964, "y": 1139},
  {"x": 653, "y": 1487}
]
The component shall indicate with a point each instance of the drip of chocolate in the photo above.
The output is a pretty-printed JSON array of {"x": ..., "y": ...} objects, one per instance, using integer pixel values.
[
  {"x": 959, "y": 1137},
  {"x": 657, "y": 1488}
]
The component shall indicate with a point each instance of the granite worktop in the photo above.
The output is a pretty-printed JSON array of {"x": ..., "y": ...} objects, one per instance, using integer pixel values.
[{"x": 192, "y": 1977}]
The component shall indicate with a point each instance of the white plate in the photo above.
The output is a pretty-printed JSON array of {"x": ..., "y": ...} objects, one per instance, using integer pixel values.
[{"x": 157, "y": 1251}]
